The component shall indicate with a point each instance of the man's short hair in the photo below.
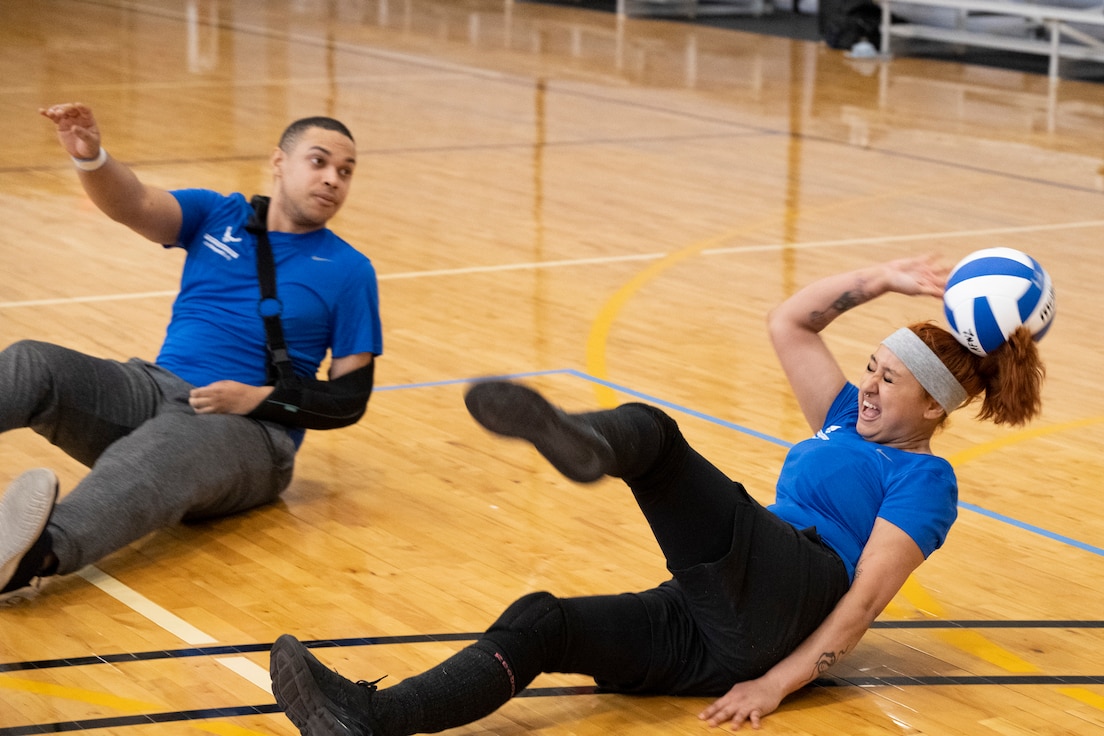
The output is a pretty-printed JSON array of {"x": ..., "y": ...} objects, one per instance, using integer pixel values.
[{"x": 292, "y": 133}]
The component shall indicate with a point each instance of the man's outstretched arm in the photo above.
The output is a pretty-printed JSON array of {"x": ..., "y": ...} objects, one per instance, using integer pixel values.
[{"x": 109, "y": 183}]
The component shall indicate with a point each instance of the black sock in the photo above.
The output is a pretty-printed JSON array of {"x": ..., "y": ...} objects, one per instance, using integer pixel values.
[
  {"x": 38, "y": 561},
  {"x": 471, "y": 684},
  {"x": 635, "y": 432}
]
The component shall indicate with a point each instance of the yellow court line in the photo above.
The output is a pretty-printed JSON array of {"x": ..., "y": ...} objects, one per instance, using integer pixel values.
[
  {"x": 977, "y": 645},
  {"x": 972, "y": 642},
  {"x": 226, "y": 729},
  {"x": 599, "y": 335},
  {"x": 964, "y": 640},
  {"x": 1088, "y": 697},
  {"x": 1031, "y": 433},
  {"x": 114, "y": 702},
  {"x": 126, "y": 705}
]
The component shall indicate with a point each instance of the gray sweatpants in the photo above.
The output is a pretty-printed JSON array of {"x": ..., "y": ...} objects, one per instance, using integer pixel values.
[{"x": 154, "y": 462}]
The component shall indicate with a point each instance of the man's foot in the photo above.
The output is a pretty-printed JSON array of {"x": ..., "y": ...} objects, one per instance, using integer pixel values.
[
  {"x": 316, "y": 699},
  {"x": 572, "y": 446},
  {"x": 25, "y": 508}
]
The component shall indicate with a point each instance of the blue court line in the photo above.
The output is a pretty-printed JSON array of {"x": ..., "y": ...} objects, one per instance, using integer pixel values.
[
  {"x": 1084, "y": 546},
  {"x": 586, "y": 377},
  {"x": 456, "y": 381},
  {"x": 1032, "y": 528}
]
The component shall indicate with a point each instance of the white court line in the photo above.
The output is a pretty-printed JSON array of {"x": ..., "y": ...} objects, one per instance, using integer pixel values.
[
  {"x": 534, "y": 265},
  {"x": 909, "y": 238},
  {"x": 249, "y": 670},
  {"x": 173, "y": 624},
  {"x": 83, "y": 299},
  {"x": 137, "y": 602}
]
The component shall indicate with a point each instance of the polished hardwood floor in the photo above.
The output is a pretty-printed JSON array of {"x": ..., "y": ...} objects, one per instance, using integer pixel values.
[{"x": 605, "y": 206}]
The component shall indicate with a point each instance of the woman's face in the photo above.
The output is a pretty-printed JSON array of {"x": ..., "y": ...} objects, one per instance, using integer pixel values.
[{"x": 894, "y": 409}]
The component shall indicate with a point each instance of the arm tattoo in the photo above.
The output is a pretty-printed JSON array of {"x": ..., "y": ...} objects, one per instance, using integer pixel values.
[
  {"x": 845, "y": 301},
  {"x": 848, "y": 300},
  {"x": 826, "y": 660}
]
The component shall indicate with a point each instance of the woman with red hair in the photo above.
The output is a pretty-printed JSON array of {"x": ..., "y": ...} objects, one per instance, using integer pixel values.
[{"x": 762, "y": 599}]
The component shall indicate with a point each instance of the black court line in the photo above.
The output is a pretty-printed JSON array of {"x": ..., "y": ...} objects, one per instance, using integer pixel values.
[
  {"x": 987, "y": 624},
  {"x": 204, "y": 714},
  {"x": 539, "y": 692},
  {"x": 228, "y": 650},
  {"x": 270, "y": 708},
  {"x": 936, "y": 680},
  {"x": 367, "y": 641}
]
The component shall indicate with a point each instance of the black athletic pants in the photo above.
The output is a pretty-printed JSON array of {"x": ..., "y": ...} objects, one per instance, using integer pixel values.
[{"x": 747, "y": 588}]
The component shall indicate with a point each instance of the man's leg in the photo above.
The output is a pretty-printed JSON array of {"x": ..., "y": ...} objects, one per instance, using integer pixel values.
[
  {"x": 175, "y": 466},
  {"x": 79, "y": 403},
  {"x": 82, "y": 405}
]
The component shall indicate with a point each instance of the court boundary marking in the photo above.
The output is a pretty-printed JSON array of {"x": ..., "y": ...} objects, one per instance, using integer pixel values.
[
  {"x": 204, "y": 714},
  {"x": 710, "y": 247},
  {"x": 391, "y": 640}
]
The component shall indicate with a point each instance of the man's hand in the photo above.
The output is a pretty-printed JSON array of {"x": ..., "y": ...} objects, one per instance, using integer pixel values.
[
  {"x": 748, "y": 701},
  {"x": 227, "y": 397},
  {"x": 76, "y": 129}
]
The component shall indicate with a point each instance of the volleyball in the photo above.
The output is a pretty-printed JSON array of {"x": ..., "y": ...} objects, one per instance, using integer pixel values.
[{"x": 993, "y": 291}]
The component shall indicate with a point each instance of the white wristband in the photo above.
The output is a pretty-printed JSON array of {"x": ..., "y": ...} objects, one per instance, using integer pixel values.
[{"x": 91, "y": 164}]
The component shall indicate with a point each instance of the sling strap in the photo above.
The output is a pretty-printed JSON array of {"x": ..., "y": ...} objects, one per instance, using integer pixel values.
[
  {"x": 296, "y": 401},
  {"x": 269, "y": 307}
]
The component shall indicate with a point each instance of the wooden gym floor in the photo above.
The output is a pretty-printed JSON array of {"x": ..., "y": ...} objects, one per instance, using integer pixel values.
[{"x": 607, "y": 207}]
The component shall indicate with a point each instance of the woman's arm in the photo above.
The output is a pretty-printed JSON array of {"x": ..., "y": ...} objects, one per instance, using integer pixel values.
[
  {"x": 795, "y": 324},
  {"x": 888, "y": 559}
]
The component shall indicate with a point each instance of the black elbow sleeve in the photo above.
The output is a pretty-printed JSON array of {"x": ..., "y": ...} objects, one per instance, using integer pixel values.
[{"x": 313, "y": 404}]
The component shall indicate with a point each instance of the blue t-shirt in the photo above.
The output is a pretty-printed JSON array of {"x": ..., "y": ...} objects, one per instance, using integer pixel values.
[
  {"x": 328, "y": 290},
  {"x": 840, "y": 483}
]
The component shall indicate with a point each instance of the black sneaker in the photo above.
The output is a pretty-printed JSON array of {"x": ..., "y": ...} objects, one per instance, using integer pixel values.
[
  {"x": 25, "y": 509},
  {"x": 510, "y": 409},
  {"x": 316, "y": 699}
]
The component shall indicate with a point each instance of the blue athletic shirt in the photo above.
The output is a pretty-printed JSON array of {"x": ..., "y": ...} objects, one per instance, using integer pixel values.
[
  {"x": 328, "y": 289},
  {"x": 840, "y": 483}
]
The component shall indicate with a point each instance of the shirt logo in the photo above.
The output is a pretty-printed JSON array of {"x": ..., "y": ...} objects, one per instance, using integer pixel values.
[
  {"x": 220, "y": 247},
  {"x": 227, "y": 237},
  {"x": 822, "y": 434}
]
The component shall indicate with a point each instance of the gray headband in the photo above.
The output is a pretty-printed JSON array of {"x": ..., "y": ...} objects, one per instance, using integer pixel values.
[{"x": 929, "y": 370}]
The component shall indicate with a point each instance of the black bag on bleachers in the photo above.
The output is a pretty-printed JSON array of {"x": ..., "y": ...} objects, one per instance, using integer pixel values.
[{"x": 843, "y": 23}]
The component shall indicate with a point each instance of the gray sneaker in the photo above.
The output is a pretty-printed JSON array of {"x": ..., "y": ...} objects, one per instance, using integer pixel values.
[
  {"x": 573, "y": 447},
  {"x": 316, "y": 699},
  {"x": 25, "y": 508}
]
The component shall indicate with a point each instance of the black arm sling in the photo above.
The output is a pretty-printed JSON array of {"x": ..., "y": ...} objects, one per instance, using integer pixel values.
[{"x": 297, "y": 401}]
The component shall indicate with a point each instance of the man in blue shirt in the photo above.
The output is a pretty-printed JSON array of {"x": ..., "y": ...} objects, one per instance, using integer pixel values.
[{"x": 203, "y": 431}]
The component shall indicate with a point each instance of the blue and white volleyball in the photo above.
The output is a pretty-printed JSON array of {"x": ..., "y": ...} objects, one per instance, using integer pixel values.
[{"x": 993, "y": 291}]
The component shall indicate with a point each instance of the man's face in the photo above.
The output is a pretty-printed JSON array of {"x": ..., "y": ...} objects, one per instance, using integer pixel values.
[{"x": 313, "y": 178}]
